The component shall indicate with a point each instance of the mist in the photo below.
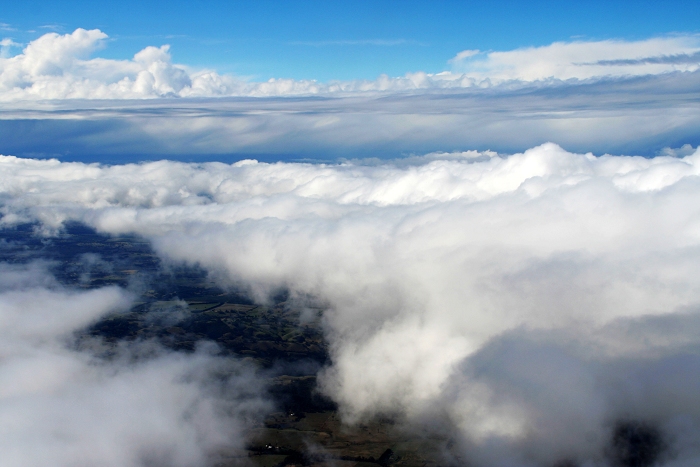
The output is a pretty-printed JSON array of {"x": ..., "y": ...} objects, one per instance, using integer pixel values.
[{"x": 72, "y": 400}]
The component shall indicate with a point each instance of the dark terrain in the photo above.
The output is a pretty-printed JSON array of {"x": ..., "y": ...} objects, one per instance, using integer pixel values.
[{"x": 179, "y": 306}]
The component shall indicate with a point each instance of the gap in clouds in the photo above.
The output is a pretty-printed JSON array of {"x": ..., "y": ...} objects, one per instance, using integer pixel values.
[
  {"x": 67, "y": 400},
  {"x": 176, "y": 304},
  {"x": 148, "y": 354}
]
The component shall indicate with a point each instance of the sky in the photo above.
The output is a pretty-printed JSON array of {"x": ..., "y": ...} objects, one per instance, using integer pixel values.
[
  {"x": 496, "y": 204},
  {"x": 343, "y": 40},
  {"x": 326, "y": 81}
]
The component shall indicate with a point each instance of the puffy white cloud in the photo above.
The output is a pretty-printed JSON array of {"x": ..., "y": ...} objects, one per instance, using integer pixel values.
[
  {"x": 43, "y": 63},
  {"x": 58, "y": 66},
  {"x": 527, "y": 301},
  {"x": 61, "y": 405}
]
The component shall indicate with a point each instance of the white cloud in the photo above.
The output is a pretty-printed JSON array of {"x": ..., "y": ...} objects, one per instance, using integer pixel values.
[
  {"x": 464, "y": 54},
  {"x": 57, "y": 66},
  {"x": 527, "y": 301},
  {"x": 61, "y": 405},
  {"x": 607, "y": 116},
  {"x": 5, "y": 46},
  {"x": 582, "y": 60}
]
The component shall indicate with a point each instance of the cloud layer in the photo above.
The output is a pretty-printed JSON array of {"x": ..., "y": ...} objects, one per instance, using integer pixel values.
[
  {"x": 607, "y": 116},
  {"x": 58, "y": 67},
  {"x": 61, "y": 404},
  {"x": 527, "y": 304},
  {"x": 582, "y": 60}
]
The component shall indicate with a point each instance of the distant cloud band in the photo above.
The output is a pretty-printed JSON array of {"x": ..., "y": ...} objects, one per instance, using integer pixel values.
[{"x": 58, "y": 66}]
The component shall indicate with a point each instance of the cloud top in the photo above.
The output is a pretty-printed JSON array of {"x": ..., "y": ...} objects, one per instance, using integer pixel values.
[{"x": 528, "y": 304}]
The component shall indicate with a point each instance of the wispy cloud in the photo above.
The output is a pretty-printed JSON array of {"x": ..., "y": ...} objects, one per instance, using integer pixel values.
[
  {"x": 52, "y": 385},
  {"x": 52, "y": 27},
  {"x": 464, "y": 54},
  {"x": 361, "y": 42},
  {"x": 693, "y": 58},
  {"x": 6, "y": 46}
]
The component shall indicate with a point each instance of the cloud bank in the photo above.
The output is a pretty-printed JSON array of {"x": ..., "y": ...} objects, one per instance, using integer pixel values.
[
  {"x": 636, "y": 116},
  {"x": 62, "y": 404},
  {"x": 536, "y": 306},
  {"x": 582, "y": 60},
  {"x": 58, "y": 66}
]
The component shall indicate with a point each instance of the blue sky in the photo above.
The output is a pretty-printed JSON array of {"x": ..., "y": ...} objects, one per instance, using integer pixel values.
[{"x": 326, "y": 40}]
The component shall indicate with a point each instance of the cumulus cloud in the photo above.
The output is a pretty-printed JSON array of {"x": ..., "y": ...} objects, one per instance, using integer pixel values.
[
  {"x": 535, "y": 305},
  {"x": 56, "y": 66},
  {"x": 62, "y": 405}
]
